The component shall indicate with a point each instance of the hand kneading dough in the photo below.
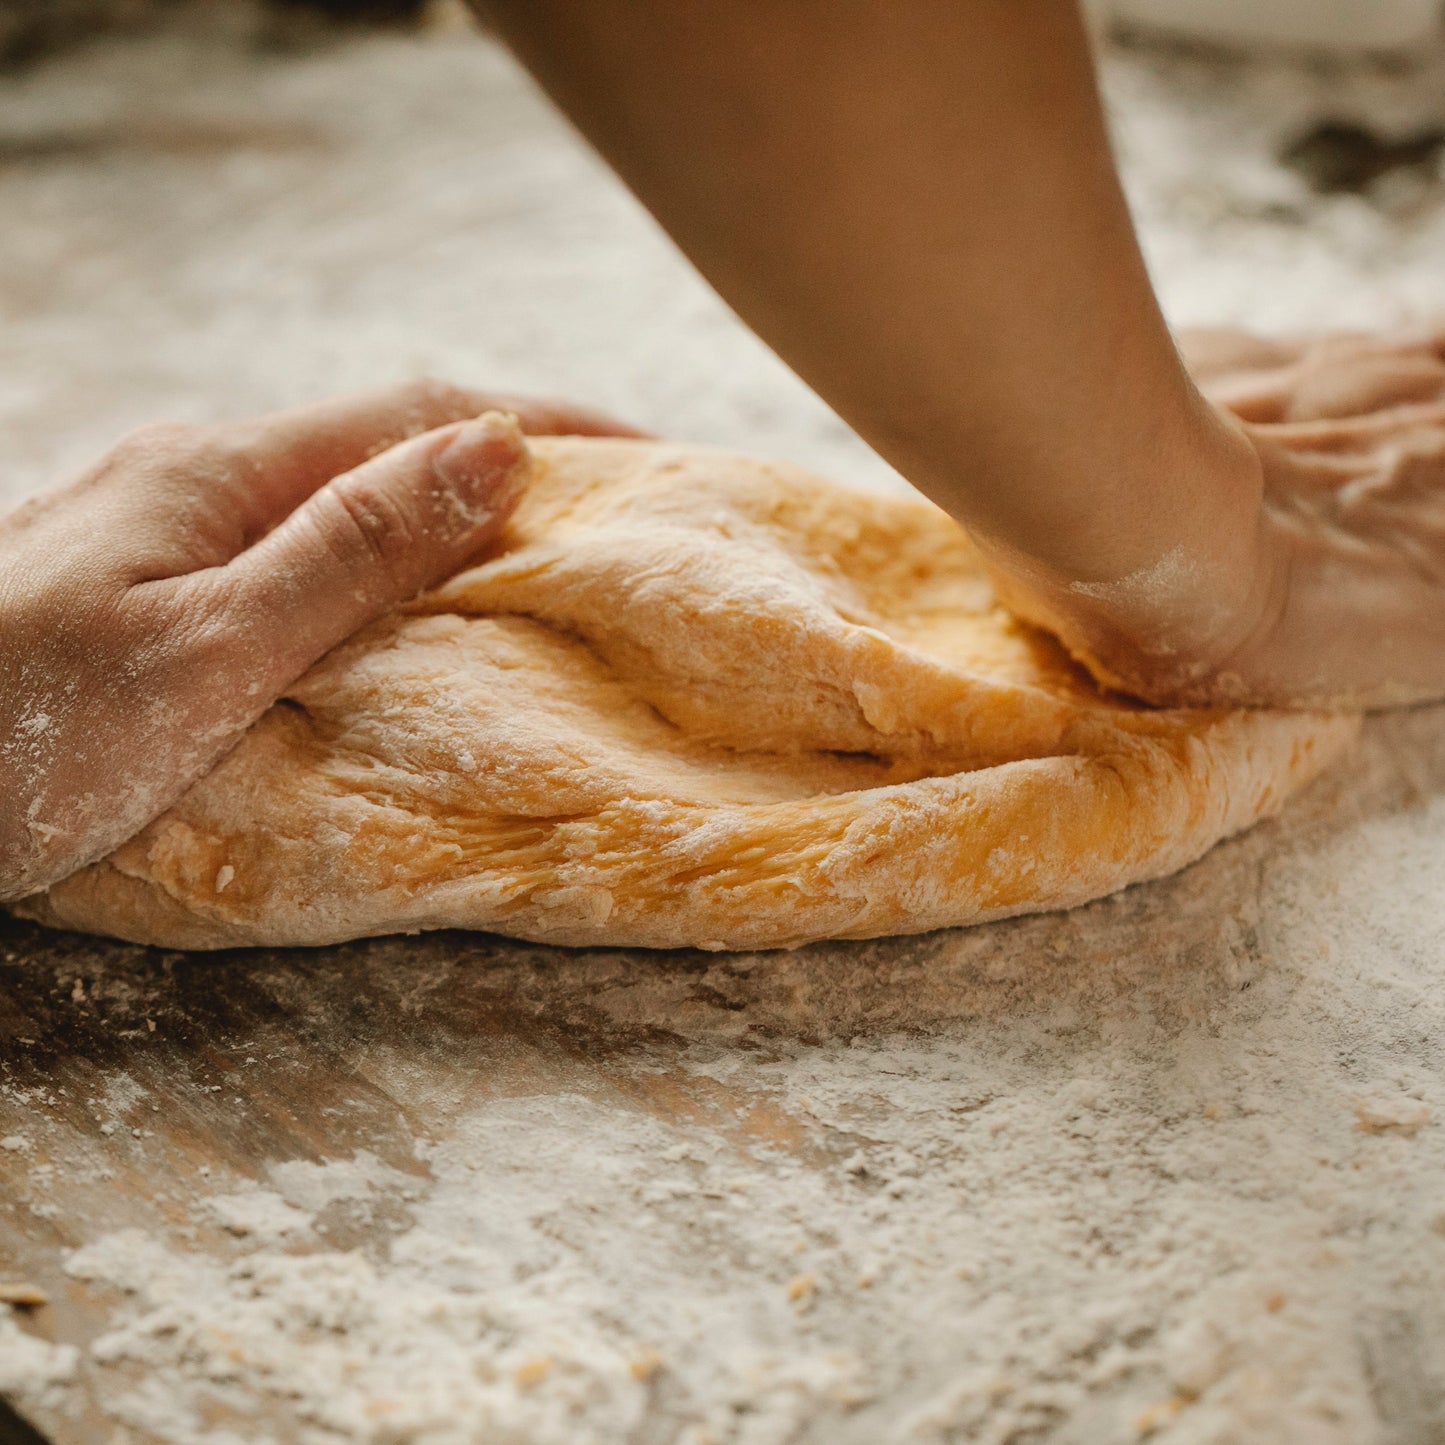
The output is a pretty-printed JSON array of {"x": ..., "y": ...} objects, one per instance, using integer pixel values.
[{"x": 693, "y": 700}]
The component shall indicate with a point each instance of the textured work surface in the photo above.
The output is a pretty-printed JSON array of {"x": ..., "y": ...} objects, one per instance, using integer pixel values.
[{"x": 1170, "y": 1163}]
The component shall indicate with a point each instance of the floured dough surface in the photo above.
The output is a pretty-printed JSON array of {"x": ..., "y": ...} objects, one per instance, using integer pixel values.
[{"x": 694, "y": 699}]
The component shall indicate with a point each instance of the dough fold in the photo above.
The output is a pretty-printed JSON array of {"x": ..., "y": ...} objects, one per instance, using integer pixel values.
[{"x": 693, "y": 700}]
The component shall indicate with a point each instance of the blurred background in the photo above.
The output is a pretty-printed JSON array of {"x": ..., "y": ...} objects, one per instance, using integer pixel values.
[
  {"x": 31, "y": 26},
  {"x": 216, "y": 206}
]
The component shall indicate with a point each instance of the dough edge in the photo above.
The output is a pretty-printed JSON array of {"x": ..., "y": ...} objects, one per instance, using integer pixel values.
[{"x": 1111, "y": 822}]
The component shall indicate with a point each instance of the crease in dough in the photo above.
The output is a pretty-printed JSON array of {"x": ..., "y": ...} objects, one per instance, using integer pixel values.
[{"x": 692, "y": 700}]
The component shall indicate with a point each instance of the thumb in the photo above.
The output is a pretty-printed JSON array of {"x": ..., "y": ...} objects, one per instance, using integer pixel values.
[{"x": 376, "y": 536}]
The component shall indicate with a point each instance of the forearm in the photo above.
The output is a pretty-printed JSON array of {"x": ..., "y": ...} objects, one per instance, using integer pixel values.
[{"x": 916, "y": 206}]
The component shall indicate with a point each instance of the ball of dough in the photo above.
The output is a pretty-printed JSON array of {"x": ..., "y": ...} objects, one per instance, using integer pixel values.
[{"x": 693, "y": 699}]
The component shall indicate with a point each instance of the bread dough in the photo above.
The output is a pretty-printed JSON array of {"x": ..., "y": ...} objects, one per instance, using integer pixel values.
[{"x": 694, "y": 699}]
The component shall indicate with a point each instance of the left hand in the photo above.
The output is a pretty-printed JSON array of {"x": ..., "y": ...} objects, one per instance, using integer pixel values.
[{"x": 151, "y": 611}]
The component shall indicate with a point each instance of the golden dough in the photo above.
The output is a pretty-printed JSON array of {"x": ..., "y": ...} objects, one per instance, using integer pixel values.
[{"x": 693, "y": 700}]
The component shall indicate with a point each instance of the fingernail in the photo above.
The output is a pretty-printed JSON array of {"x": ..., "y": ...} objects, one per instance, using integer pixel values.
[{"x": 484, "y": 466}]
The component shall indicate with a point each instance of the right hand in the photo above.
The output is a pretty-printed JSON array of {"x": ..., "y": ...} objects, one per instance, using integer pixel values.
[
  {"x": 1334, "y": 595},
  {"x": 1351, "y": 434}
]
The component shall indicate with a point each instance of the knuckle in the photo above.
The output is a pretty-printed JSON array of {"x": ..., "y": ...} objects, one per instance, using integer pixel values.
[
  {"x": 372, "y": 527},
  {"x": 210, "y": 603},
  {"x": 194, "y": 625}
]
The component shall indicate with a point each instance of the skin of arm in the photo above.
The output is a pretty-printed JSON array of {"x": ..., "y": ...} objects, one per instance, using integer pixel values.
[{"x": 915, "y": 204}]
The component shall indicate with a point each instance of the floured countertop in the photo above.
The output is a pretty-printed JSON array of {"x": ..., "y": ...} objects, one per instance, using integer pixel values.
[{"x": 1167, "y": 1167}]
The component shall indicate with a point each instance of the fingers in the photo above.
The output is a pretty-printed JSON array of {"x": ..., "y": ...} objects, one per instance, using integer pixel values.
[
  {"x": 1356, "y": 436},
  {"x": 283, "y": 457},
  {"x": 1367, "y": 384},
  {"x": 266, "y": 466},
  {"x": 289, "y": 454},
  {"x": 1346, "y": 378},
  {"x": 226, "y": 486},
  {"x": 374, "y": 536}
]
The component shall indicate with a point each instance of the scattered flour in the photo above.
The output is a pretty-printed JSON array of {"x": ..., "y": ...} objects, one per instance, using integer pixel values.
[
  {"x": 31, "y": 1368},
  {"x": 259, "y": 1212}
]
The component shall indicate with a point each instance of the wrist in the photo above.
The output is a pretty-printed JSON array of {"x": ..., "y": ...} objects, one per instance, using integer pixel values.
[{"x": 1197, "y": 579}]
